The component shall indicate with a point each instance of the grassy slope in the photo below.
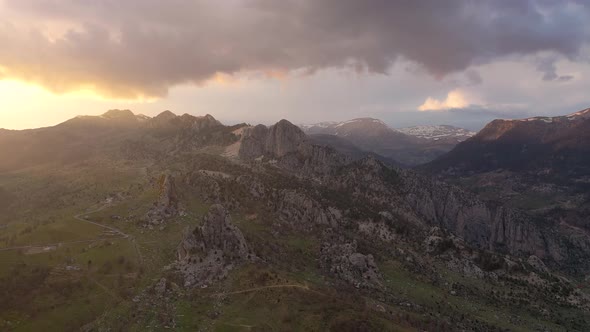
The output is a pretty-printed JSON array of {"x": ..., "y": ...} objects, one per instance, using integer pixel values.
[{"x": 45, "y": 295}]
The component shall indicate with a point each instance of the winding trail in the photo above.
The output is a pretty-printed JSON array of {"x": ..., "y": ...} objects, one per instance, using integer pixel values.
[
  {"x": 58, "y": 243},
  {"x": 78, "y": 217},
  {"x": 81, "y": 216},
  {"x": 255, "y": 289}
]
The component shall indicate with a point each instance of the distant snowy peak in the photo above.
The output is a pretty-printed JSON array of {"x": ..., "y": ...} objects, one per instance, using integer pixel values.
[
  {"x": 438, "y": 132},
  {"x": 361, "y": 121},
  {"x": 327, "y": 124},
  {"x": 344, "y": 128}
]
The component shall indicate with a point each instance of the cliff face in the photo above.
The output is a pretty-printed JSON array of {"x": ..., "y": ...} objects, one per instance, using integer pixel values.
[
  {"x": 540, "y": 165},
  {"x": 284, "y": 138},
  {"x": 425, "y": 202},
  {"x": 481, "y": 224},
  {"x": 253, "y": 142}
]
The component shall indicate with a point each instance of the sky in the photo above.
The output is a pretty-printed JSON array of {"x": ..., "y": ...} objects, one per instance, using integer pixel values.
[{"x": 458, "y": 62}]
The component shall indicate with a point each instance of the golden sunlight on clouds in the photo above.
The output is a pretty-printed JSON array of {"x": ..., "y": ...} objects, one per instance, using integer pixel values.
[
  {"x": 455, "y": 99},
  {"x": 223, "y": 79},
  {"x": 24, "y": 105}
]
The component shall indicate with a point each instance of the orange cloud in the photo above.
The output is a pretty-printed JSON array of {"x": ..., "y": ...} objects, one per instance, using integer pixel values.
[{"x": 455, "y": 99}]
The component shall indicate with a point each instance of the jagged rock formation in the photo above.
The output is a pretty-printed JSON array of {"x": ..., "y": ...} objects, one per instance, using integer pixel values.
[
  {"x": 210, "y": 251},
  {"x": 167, "y": 204},
  {"x": 344, "y": 262},
  {"x": 488, "y": 227},
  {"x": 169, "y": 120},
  {"x": 424, "y": 202}
]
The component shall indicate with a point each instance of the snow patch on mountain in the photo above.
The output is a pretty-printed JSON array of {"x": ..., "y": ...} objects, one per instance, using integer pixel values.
[
  {"x": 580, "y": 115},
  {"x": 437, "y": 132},
  {"x": 584, "y": 114},
  {"x": 334, "y": 124}
]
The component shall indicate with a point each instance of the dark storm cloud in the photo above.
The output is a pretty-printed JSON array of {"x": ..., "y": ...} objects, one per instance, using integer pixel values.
[
  {"x": 143, "y": 47},
  {"x": 546, "y": 65}
]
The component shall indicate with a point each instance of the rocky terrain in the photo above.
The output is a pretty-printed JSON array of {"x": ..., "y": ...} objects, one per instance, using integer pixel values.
[
  {"x": 257, "y": 227},
  {"x": 537, "y": 164}
]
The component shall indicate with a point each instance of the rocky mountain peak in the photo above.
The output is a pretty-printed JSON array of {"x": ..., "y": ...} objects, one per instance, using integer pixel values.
[
  {"x": 283, "y": 138},
  {"x": 118, "y": 114},
  {"x": 275, "y": 141},
  {"x": 165, "y": 116},
  {"x": 198, "y": 122}
]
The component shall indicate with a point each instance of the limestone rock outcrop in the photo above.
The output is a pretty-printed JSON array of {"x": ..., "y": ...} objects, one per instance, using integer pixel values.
[
  {"x": 211, "y": 250},
  {"x": 344, "y": 262},
  {"x": 167, "y": 204},
  {"x": 275, "y": 141},
  {"x": 303, "y": 212}
]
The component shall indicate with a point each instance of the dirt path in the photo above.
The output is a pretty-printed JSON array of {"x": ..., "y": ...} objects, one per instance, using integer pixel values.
[
  {"x": 255, "y": 289},
  {"x": 81, "y": 216},
  {"x": 60, "y": 243},
  {"x": 249, "y": 327}
]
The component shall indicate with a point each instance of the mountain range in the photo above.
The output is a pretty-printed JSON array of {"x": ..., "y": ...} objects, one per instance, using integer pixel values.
[
  {"x": 408, "y": 146},
  {"x": 180, "y": 222},
  {"x": 555, "y": 145}
]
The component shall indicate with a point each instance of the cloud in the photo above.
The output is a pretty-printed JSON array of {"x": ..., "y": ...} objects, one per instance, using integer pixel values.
[
  {"x": 546, "y": 65},
  {"x": 506, "y": 111},
  {"x": 139, "y": 48},
  {"x": 473, "y": 77},
  {"x": 455, "y": 99}
]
